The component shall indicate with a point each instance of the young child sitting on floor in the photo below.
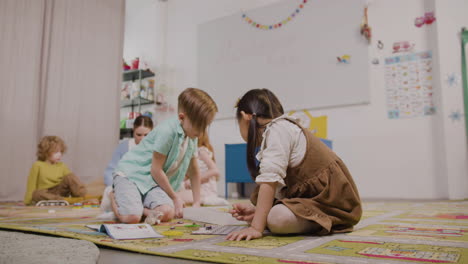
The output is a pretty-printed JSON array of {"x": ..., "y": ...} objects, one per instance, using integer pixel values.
[
  {"x": 303, "y": 187},
  {"x": 147, "y": 176},
  {"x": 49, "y": 178},
  {"x": 209, "y": 176}
]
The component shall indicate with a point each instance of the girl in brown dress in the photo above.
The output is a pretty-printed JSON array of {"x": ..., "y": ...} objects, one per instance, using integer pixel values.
[{"x": 303, "y": 187}]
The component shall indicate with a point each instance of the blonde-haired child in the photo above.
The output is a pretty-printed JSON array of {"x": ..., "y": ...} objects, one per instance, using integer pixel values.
[
  {"x": 147, "y": 176},
  {"x": 49, "y": 178},
  {"x": 209, "y": 176}
]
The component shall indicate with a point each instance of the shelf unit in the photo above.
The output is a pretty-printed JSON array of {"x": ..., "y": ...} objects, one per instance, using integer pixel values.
[
  {"x": 135, "y": 101},
  {"x": 134, "y": 76}
]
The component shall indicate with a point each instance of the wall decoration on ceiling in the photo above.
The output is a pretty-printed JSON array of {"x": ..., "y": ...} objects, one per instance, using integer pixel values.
[
  {"x": 427, "y": 19},
  {"x": 408, "y": 81},
  {"x": 403, "y": 46},
  {"x": 456, "y": 115},
  {"x": 278, "y": 24},
  {"x": 453, "y": 79}
]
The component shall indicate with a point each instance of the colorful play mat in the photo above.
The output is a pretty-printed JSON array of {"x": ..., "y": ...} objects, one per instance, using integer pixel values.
[{"x": 389, "y": 232}]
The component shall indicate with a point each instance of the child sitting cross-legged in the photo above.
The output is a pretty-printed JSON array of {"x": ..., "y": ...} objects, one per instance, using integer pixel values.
[
  {"x": 49, "y": 178},
  {"x": 303, "y": 187}
]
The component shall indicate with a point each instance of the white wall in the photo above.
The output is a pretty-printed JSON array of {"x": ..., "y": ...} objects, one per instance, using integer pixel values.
[
  {"x": 144, "y": 31},
  {"x": 416, "y": 158},
  {"x": 453, "y": 17}
]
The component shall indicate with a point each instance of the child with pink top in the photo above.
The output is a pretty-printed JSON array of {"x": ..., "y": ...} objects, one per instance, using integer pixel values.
[{"x": 209, "y": 176}]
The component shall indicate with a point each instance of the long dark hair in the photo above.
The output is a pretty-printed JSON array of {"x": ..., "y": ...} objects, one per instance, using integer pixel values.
[{"x": 259, "y": 103}]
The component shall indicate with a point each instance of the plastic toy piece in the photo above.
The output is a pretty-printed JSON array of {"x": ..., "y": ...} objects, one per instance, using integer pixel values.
[
  {"x": 217, "y": 230},
  {"x": 52, "y": 203}
]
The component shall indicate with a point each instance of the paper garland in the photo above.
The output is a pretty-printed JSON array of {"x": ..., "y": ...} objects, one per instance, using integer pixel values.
[{"x": 276, "y": 25}]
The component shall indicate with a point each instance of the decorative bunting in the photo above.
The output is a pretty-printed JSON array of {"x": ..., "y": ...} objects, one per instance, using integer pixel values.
[{"x": 276, "y": 25}]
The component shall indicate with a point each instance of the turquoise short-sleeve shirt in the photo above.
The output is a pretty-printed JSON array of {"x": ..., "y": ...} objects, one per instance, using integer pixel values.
[{"x": 166, "y": 139}]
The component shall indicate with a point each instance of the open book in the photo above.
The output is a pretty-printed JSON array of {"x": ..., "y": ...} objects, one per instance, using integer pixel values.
[
  {"x": 126, "y": 231},
  {"x": 223, "y": 221}
]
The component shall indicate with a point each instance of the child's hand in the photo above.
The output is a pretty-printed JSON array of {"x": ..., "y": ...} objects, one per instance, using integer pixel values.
[
  {"x": 246, "y": 233},
  {"x": 179, "y": 205},
  {"x": 242, "y": 212}
]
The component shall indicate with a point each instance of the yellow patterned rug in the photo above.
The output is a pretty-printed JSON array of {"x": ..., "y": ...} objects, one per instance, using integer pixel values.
[{"x": 389, "y": 232}]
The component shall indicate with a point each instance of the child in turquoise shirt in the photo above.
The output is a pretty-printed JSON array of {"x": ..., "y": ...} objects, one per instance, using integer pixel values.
[{"x": 147, "y": 177}]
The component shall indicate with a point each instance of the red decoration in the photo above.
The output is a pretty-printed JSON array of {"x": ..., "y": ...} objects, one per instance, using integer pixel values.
[{"x": 366, "y": 30}]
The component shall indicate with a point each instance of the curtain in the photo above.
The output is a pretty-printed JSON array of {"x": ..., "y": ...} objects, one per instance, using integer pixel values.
[
  {"x": 464, "y": 37},
  {"x": 60, "y": 66}
]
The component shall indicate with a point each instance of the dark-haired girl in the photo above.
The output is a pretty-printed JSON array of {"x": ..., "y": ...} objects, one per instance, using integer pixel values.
[{"x": 303, "y": 187}]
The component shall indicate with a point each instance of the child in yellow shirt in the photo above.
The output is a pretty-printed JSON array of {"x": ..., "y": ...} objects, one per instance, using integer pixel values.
[{"x": 49, "y": 178}]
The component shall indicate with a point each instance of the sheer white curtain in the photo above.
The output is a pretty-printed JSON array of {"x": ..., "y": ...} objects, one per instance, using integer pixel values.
[{"x": 60, "y": 70}]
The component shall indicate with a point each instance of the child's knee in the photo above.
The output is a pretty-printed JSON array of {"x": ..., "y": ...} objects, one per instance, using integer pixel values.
[
  {"x": 129, "y": 219},
  {"x": 279, "y": 219},
  {"x": 44, "y": 194},
  {"x": 168, "y": 212}
]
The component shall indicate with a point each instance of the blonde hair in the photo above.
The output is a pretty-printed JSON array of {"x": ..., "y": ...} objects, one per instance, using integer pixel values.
[
  {"x": 204, "y": 141},
  {"x": 199, "y": 107},
  {"x": 49, "y": 145}
]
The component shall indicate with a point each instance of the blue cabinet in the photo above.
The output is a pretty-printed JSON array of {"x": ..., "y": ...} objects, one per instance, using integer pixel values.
[{"x": 236, "y": 165}]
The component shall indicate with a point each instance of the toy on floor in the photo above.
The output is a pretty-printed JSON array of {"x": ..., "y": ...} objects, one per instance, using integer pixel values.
[
  {"x": 52, "y": 203},
  {"x": 217, "y": 230}
]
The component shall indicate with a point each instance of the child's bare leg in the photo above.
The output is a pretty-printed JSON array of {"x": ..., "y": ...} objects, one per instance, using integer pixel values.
[
  {"x": 281, "y": 220},
  {"x": 127, "y": 219},
  {"x": 158, "y": 206},
  {"x": 186, "y": 196},
  {"x": 164, "y": 212}
]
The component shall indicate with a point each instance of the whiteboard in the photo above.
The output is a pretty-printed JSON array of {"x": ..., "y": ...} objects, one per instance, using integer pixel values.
[{"x": 298, "y": 61}]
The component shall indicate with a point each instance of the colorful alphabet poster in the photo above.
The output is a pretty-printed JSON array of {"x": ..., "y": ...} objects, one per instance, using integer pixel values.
[{"x": 408, "y": 82}]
